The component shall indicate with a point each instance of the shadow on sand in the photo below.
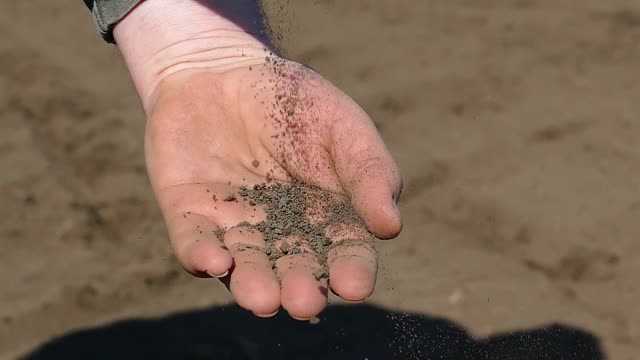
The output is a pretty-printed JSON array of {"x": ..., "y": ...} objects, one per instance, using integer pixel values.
[{"x": 344, "y": 332}]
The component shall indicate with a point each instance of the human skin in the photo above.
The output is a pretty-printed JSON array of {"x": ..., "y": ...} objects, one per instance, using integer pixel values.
[{"x": 216, "y": 96}]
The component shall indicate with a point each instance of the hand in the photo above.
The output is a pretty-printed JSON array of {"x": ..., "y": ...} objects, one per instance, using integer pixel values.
[{"x": 244, "y": 116}]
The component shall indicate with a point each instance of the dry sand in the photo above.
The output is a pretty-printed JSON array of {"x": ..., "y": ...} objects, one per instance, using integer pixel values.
[{"x": 515, "y": 125}]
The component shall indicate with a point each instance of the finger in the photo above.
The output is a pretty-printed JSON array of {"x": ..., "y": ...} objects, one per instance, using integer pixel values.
[
  {"x": 194, "y": 212},
  {"x": 304, "y": 291},
  {"x": 252, "y": 281},
  {"x": 196, "y": 245},
  {"x": 366, "y": 169},
  {"x": 352, "y": 262}
]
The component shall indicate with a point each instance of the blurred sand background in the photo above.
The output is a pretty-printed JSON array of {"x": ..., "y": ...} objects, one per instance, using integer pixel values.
[{"x": 515, "y": 124}]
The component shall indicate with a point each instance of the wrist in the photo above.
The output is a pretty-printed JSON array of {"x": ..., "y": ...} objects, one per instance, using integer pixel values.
[{"x": 162, "y": 37}]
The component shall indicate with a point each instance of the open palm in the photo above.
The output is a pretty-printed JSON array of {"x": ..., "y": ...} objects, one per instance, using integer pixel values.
[{"x": 210, "y": 132}]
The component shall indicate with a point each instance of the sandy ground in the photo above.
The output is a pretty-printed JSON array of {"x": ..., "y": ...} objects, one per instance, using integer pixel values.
[{"x": 515, "y": 124}]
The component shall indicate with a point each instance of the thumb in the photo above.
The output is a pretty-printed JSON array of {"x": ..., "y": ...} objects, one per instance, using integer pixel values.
[{"x": 367, "y": 170}]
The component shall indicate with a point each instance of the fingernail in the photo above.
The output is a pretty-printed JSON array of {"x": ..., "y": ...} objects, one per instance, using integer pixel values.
[
  {"x": 218, "y": 276},
  {"x": 396, "y": 208},
  {"x": 354, "y": 301},
  {"x": 267, "y": 315},
  {"x": 396, "y": 195},
  {"x": 312, "y": 320}
]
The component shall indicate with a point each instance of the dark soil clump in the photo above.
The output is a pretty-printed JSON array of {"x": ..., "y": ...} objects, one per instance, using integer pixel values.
[{"x": 300, "y": 215}]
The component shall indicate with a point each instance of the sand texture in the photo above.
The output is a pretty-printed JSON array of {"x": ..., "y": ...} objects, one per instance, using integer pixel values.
[{"x": 515, "y": 124}]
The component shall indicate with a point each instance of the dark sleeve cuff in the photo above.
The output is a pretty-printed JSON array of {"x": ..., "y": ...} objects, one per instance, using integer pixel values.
[{"x": 107, "y": 13}]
